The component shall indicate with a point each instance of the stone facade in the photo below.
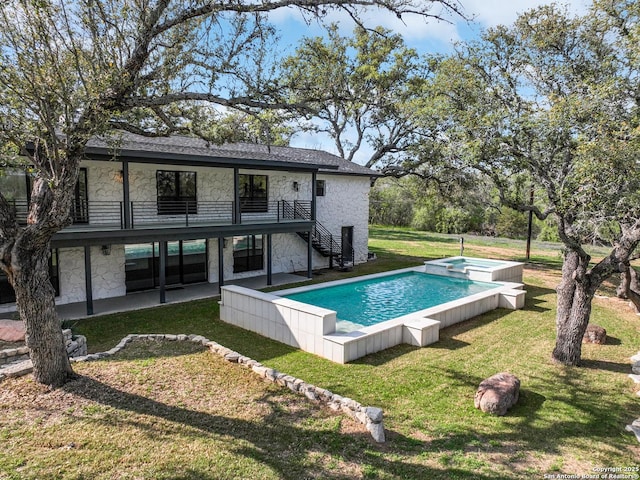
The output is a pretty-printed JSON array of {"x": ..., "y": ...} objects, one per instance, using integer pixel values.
[
  {"x": 345, "y": 203},
  {"x": 107, "y": 274}
]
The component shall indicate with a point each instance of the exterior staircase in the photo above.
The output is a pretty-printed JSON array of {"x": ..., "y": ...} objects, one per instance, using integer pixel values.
[{"x": 322, "y": 240}]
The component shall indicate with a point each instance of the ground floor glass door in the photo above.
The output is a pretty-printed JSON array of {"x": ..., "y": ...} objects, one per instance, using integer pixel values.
[
  {"x": 186, "y": 263},
  {"x": 347, "y": 244}
]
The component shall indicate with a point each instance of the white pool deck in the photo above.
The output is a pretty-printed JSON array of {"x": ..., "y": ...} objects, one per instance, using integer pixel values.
[{"x": 313, "y": 329}]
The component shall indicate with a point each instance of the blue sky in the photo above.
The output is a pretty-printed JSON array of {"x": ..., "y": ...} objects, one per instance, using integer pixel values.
[{"x": 423, "y": 35}]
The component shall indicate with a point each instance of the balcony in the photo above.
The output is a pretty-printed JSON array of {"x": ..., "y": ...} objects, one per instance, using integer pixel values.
[{"x": 108, "y": 216}]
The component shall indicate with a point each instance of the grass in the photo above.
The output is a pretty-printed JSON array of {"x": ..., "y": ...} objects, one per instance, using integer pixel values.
[{"x": 190, "y": 415}]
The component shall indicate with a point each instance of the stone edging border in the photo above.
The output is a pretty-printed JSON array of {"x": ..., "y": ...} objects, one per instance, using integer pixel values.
[{"x": 370, "y": 417}]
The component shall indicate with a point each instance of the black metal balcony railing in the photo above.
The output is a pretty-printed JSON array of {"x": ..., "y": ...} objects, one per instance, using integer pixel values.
[
  {"x": 98, "y": 214},
  {"x": 177, "y": 213},
  {"x": 111, "y": 215}
]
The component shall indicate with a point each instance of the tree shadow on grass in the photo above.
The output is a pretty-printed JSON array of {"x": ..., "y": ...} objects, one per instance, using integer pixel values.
[
  {"x": 534, "y": 300},
  {"x": 539, "y": 421},
  {"x": 277, "y": 441},
  {"x": 605, "y": 365}
]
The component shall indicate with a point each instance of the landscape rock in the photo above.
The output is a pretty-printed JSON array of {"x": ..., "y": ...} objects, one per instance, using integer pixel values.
[
  {"x": 595, "y": 334},
  {"x": 377, "y": 431},
  {"x": 634, "y": 428},
  {"x": 12, "y": 330},
  {"x": 374, "y": 414},
  {"x": 498, "y": 393}
]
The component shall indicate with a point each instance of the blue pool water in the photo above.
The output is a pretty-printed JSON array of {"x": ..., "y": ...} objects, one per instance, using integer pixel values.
[{"x": 372, "y": 301}]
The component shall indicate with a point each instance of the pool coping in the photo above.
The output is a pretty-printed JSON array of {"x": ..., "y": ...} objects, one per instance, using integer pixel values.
[{"x": 313, "y": 328}]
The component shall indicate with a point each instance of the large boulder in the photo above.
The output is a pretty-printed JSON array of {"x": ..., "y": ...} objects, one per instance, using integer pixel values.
[
  {"x": 12, "y": 331},
  {"x": 498, "y": 393},
  {"x": 595, "y": 334}
]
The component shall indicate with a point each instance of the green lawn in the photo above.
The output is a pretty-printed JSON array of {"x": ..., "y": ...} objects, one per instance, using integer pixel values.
[{"x": 568, "y": 420}]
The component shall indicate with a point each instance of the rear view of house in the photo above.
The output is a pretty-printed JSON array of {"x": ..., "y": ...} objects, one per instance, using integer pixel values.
[{"x": 155, "y": 213}]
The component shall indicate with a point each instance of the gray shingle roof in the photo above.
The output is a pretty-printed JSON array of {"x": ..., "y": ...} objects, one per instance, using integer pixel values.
[{"x": 232, "y": 153}]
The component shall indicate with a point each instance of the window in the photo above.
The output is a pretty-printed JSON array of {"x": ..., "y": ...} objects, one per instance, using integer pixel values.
[
  {"x": 7, "y": 295},
  {"x": 253, "y": 193},
  {"x": 320, "y": 188},
  {"x": 16, "y": 186},
  {"x": 247, "y": 253},
  {"x": 176, "y": 192}
]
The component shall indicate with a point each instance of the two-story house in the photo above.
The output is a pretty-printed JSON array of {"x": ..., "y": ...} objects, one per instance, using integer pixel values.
[{"x": 154, "y": 213}]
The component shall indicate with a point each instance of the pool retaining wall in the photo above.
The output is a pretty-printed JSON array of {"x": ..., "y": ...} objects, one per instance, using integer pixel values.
[
  {"x": 313, "y": 329},
  {"x": 292, "y": 323}
]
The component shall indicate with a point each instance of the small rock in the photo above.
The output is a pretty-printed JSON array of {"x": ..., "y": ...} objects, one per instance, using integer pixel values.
[
  {"x": 498, "y": 393},
  {"x": 260, "y": 370},
  {"x": 18, "y": 369},
  {"x": 635, "y": 378},
  {"x": 595, "y": 334},
  {"x": 374, "y": 414},
  {"x": 636, "y": 357},
  {"x": 232, "y": 357},
  {"x": 634, "y": 428},
  {"x": 12, "y": 330},
  {"x": 377, "y": 431}
]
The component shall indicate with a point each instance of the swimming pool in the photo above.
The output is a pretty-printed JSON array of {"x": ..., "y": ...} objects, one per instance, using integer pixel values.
[
  {"x": 317, "y": 329},
  {"x": 374, "y": 300}
]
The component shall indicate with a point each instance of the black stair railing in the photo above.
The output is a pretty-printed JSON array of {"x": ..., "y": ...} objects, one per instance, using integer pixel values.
[{"x": 322, "y": 240}]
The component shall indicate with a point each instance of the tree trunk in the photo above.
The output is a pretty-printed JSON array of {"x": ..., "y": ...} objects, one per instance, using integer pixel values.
[
  {"x": 625, "y": 283},
  {"x": 633, "y": 288},
  {"x": 575, "y": 294},
  {"x": 35, "y": 300}
]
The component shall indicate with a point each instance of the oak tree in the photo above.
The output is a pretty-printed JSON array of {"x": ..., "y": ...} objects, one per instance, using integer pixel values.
[{"x": 554, "y": 101}]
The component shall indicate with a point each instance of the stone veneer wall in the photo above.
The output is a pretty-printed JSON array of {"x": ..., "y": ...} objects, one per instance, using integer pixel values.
[
  {"x": 107, "y": 273},
  {"x": 346, "y": 204}
]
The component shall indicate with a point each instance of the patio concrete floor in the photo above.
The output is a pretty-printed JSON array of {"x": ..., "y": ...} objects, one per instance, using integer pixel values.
[{"x": 182, "y": 293}]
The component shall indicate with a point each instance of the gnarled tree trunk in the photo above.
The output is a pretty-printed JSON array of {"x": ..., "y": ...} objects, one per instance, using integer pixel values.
[
  {"x": 633, "y": 288},
  {"x": 35, "y": 300},
  {"x": 625, "y": 283},
  {"x": 575, "y": 294},
  {"x": 629, "y": 288},
  {"x": 24, "y": 257}
]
